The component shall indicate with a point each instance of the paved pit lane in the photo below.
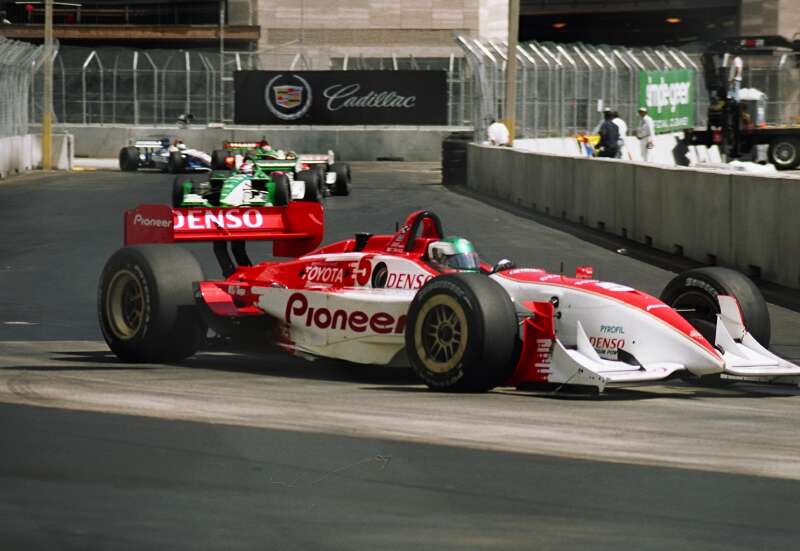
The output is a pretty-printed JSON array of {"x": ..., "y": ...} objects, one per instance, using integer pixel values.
[{"x": 269, "y": 451}]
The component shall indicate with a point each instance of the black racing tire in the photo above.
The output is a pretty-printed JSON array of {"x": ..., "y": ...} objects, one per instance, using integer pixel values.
[
  {"x": 218, "y": 159},
  {"x": 321, "y": 170},
  {"x": 283, "y": 192},
  {"x": 342, "y": 185},
  {"x": 379, "y": 276},
  {"x": 175, "y": 162},
  {"x": 695, "y": 292},
  {"x": 177, "y": 186},
  {"x": 128, "y": 159},
  {"x": 177, "y": 191},
  {"x": 146, "y": 304},
  {"x": 461, "y": 333},
  {"x": 784, "y": 153},
  {"x": 313, "y": 183}
]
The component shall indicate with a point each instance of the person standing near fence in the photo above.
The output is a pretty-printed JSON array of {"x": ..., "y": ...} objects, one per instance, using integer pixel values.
[
  {"x": 623, "y": 131},
  {"x": 498, "y": 133},
  {"x": 646, "y": 133},
  {"x": 735, "y": 78},
  {"x": 609, "y": 137}
]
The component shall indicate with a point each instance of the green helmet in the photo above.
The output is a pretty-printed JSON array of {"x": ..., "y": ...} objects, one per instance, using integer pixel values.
[{"x": 454, "y": 253}]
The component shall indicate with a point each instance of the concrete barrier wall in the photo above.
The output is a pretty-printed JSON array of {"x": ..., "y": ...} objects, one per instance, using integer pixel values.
[
  {"x": 350, "y": 143},
  {"x": 22, "y": 153},
  {"x": 740, "y": 220}
]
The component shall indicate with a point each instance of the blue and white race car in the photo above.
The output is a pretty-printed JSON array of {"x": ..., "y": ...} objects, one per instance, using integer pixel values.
[{"x": 165, "y": 154}]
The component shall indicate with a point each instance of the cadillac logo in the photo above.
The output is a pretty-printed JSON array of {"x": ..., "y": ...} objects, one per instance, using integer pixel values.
[{"x": 288, "y": 97}]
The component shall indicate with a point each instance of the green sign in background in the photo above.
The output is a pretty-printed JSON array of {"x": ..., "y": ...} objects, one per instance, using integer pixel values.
[{"x": 669, "y": 98}]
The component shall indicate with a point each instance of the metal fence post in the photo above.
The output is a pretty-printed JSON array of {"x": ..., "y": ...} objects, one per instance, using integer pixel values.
[{"x": 135, "y": 87}]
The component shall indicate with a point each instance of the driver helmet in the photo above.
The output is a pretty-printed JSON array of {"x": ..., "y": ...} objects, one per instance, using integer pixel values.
[
  {"x": 455, "y": 253},
  {"x": 247, "y": 166},
  {"x": 181, "y": 146}
]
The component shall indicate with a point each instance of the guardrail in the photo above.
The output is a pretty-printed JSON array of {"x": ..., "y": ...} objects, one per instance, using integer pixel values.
[{"x": 715, "y": 217}]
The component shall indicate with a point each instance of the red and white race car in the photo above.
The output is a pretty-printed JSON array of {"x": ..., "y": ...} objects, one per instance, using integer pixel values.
[{"x": 416, "y": 297}]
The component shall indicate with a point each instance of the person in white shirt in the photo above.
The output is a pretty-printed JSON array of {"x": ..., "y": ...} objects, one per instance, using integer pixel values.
[
  {"x": 498, "y": 133},
  {"x": 735, "y": 78},
  {"x": 623, "y": 131},
  {"x": 646, "y": 133}
]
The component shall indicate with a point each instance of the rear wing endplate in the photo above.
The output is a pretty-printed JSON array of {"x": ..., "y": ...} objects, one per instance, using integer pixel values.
[{"x": 295, "y": 229}]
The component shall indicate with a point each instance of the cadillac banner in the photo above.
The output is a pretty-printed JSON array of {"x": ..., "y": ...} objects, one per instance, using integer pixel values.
[
  {"x": 669, "y": 98},
  {"x": 340, "y": 97}
]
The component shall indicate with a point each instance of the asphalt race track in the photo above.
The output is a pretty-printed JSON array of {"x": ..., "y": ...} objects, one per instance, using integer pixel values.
[{"x": 229, "y": 451}]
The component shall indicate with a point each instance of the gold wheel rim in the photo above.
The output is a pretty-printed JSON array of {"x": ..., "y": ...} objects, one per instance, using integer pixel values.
[
  {"x": 441, "y": 334},
  {"x": 125, "y": 305}
]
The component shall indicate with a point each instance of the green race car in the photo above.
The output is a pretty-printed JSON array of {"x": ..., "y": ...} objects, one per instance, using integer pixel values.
[
  {"x": 318, "y": 170},
  {"x": 248, "y": 186}
]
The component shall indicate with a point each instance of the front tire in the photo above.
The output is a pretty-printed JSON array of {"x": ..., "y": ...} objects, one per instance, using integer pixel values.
[
  {"x": 128, "y": 159},
  {"x": 146, "y": 304},
  {"x": 461, "y": 333},
  {"x": 694, "y": 293},
  {"x": 342, "y": 186}
]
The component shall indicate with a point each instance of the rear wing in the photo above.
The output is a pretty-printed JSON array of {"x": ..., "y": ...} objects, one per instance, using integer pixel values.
[
  {"x": 148, "y": 144},
  {"x": 314, "y": 158},
  {"x": 241, "y": 145},
  {"x": 295, "y": 229},
  {"x": 276, "y": 164}
]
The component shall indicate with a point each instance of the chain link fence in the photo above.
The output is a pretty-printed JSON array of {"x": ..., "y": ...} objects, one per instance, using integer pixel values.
[
  {"x": 126, "y": 86},
  {"x": 559, "y": 85},
  {"x": 18, "y": 62}
]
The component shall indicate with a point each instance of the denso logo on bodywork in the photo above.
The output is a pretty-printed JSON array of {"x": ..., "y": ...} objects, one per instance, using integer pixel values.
[
  {"x": 406, "y": 281},
  {"x": 299, "y": 312},
  {"x": 231, "y": 219}
]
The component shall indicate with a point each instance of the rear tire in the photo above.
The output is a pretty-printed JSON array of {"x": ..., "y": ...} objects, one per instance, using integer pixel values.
[
  {"x": 461, "y": 333},
  {"x": 218, "y": 159},
  {"x": 697, "y": 290},
  {"x": 146, "y": 304},
  {"x": 313, "y": 185},
  {"x": 128, "y": 159},
  {"x": 283, "y": 193},
  {"x": 175, "y": 162},
  {"x": 342, "y": 186},
  {"x": 784, "y": 153}
]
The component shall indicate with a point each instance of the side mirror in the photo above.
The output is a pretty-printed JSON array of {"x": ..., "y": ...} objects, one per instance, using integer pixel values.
[{"x": 503, "y": 265}]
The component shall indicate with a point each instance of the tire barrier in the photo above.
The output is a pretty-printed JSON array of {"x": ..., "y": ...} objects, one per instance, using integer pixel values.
[{"x": 454, "y": 158}]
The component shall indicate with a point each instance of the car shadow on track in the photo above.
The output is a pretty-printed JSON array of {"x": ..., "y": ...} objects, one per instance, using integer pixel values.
[
  {"x": 395, "y": 379},
  {"x": 272, "y": 364}
]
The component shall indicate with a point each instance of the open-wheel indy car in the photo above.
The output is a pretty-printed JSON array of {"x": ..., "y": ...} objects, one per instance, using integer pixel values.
[
  {"x": 420, "y": 298},
  {"x": 165, "y": 154},
  {"x": 330, "y": 176},
  {"x": 247, "y": 186}
]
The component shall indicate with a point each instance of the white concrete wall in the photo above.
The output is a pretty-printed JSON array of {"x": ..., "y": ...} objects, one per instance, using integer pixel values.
[
  {"x": 21, "y": 153},
  {"x": 740, "y": 220},
  {"x": 350, "y": 143}
]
